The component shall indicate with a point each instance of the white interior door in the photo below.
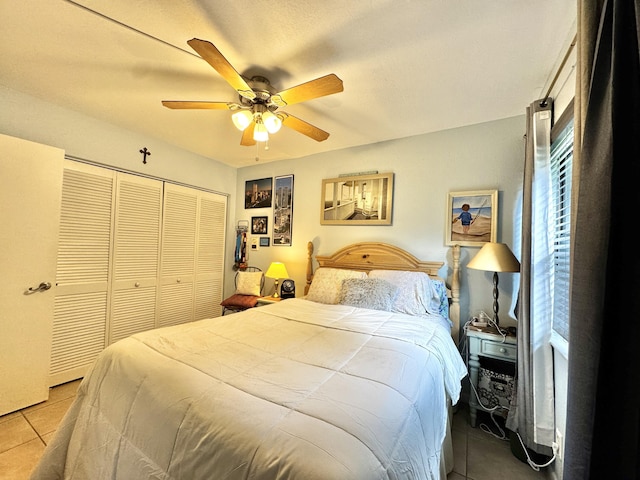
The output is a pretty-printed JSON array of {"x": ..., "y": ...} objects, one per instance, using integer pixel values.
[
  {"x": 82, "y": 274},
  {"x": 177, "y": 261},
  {"x": 209, "y": 280},
  {"x": 30, "y": 191}
]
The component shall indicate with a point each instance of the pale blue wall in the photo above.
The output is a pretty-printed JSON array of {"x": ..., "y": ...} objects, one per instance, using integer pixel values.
[
  {"x": 426, "y": 168},
  {"x": 26, "y": 117},
  {"x": 90, "y": 139}
]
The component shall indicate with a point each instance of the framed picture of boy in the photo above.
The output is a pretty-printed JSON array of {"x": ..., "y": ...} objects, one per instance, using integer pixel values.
[{"x": 471, "y": 218}]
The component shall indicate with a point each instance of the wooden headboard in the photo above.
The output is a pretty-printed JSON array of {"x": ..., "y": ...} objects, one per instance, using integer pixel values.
[{"x": 368, "y": 256}]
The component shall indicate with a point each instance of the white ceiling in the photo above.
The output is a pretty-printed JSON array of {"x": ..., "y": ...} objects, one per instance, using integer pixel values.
[{"x": 409, "y": 66}]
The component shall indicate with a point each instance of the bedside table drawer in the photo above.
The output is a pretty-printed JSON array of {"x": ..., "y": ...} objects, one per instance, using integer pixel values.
[{"x": 498, "y": 350}]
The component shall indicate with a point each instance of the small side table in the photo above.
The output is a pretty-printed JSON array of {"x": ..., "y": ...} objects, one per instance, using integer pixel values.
[
  {"x": 486, "y": 342},
  {"x": 267, "y": 300}
]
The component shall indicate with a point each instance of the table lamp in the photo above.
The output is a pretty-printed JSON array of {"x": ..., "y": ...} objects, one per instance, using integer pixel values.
[
  {"x": 276, "y": 270},
  {"x": 495, "y": 257}
]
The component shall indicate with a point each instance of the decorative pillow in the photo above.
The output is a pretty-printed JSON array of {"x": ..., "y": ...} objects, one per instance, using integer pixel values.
[
  {"x": 327, "y": 284},
  {"x": 374, "y": 293},
  {"x": 441, "y": 288},
  {"x": 417, "y": 294},
  {"x": 240, "y": 301},
  {"x": 248, "y": 283}
]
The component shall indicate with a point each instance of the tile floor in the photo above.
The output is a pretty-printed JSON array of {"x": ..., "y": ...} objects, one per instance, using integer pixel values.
[
  {"x": 24, "y": 434},
  {"x": 481, "y": 456}
]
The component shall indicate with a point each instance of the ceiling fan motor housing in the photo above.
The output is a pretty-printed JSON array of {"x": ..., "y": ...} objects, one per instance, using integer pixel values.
[{"x": 261, "y": 86}]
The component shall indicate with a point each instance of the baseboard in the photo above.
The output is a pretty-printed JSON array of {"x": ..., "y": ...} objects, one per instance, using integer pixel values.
[{"x": 554, "y": 472}]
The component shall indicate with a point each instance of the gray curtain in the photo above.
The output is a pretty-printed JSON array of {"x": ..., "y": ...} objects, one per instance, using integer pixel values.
[
  {"x": 521, "y": 416},
  {"x": 603, "y": 413}
]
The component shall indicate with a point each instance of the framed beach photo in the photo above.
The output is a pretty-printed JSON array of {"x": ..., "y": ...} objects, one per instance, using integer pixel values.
[
  {"x": 357, "y": 200},
  {"x": 471, "y": 218}
]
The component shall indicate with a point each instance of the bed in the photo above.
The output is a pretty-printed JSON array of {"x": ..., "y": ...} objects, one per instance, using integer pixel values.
[{"x": 299, "y": 389}]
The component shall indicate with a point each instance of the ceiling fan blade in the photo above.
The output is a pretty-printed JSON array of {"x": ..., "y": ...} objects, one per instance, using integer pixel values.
[
  {"x": 327, "y": 85},
  {"x": 197, "y": 105},
  {"x": 214, "y": 58},
  {"x": 247, "y": 135},
  {"x": 303, "y": 127}
]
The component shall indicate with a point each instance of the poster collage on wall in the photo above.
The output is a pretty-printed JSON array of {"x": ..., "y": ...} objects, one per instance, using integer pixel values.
[{"x": 275, "y": 193}]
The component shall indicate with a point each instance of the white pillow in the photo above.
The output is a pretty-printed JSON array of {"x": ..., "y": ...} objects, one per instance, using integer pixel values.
[
  {"x": 248, "y": 283},
  {"x": 327, "y": 284},
  {"x": 417, "y": 294}
]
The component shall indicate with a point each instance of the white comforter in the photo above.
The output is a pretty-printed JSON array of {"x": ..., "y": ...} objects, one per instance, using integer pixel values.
[{"x": 293, "y": 390}]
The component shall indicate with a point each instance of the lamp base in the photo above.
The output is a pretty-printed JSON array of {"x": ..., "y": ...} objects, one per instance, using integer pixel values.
[
  {"x": 495, "y": 300},
  {"x": 275, "y": 293}
]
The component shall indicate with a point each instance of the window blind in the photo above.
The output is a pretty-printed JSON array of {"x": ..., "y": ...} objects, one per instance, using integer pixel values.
[{"x": 561, "y": 166}]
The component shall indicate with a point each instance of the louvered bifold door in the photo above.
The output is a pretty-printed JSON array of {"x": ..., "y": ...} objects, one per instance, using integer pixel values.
[
  {"x": 212, "y": 212},
  {"x": 80, "y": 312},
  {"x": 177, "y": 268},
  {"x": 136, "y": 247}
]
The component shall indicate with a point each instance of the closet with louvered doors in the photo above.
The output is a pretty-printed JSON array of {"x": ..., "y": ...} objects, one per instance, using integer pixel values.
[
  {"x": 191, "y": 267},
  {"x": 209, "y": 259},
  {"x": 136, "y": 256},
  {"x": 82, "y": 272},
  {"x": 113, "y": 279}
]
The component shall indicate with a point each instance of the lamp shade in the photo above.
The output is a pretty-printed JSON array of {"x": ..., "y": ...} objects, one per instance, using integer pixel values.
[
  {"x": 495, "y": 257},
  {"x": 242, "y": 119},
  {"x": 260, "y": 133},
  {"x": 271, "y": 121},
  {"x": 277, "y": 270}
]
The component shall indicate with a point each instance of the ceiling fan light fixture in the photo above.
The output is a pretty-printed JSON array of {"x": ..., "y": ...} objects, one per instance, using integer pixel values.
[
  {"x": 272, "y": 122},
  {"x": 260, "y": 133},
  {"x": 242, "y": 119}
]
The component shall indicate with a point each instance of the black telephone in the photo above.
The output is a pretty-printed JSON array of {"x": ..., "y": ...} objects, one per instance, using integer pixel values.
[{"x": 288, "y": 289}]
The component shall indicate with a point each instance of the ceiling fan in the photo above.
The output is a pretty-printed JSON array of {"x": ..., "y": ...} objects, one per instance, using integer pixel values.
[{"x": 256, "y": 112}]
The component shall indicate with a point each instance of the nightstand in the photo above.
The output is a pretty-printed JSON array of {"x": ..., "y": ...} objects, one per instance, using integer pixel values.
[
  {"x": 486, "y": 342},
  {"x": 267, "y": 300}
]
